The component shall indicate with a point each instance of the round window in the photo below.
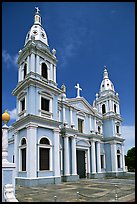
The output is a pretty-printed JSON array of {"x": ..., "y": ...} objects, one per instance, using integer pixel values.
[
  {"x": 43, "y": 35},
  {"x": 35, "y": 32}
]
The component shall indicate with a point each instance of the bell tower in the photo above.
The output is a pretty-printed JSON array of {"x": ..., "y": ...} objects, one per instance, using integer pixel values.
[
  {"x": 36, "y": 73},
  {"x": 107, "y": 104}
]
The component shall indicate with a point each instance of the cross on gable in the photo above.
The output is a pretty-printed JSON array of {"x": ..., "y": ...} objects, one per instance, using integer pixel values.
[{"x": 78, "y": 90}]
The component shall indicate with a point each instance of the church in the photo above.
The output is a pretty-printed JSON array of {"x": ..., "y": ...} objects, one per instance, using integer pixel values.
[{"x": 55, "y": 138}]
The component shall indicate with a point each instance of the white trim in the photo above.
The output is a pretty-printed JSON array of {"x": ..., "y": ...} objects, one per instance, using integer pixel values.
[
  {"x": 87, "y": 157},
  {"x": 48, "y": 68},
  {"x": 83, "y": 124},
  {"x": 50, "y": 154},
  {"x": 20, "y": 154},
  {"x": 42, "y": 112},
  {"x": 20, "y": 112}
]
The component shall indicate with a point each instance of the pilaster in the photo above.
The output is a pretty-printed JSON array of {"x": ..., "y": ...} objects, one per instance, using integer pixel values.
[
  {"x": 37, "y": 64},
  {"x": 98, "y": 158},
  {"x": 74, "y": 167},
  {"x": 113, "y": 157},
  {"x": 31, "y": 150},
  {"x": 93, "y": 157},
  {"x": 56, "y": 153},
  {"x": 123, "y": 158},
  {"x": 32, "y": 62},
  {"x": 66, "y": 156}
]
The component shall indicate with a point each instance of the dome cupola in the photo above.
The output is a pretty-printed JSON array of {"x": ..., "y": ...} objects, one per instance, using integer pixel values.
[
  {"x": 106, "y": 84},
  {"x": 37, "y": 32}
]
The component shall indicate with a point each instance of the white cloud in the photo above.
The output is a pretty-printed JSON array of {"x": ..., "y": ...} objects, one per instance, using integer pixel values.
[
  {"x": 13, "y": 114},
  {"x": 8, "y": 59},
  {"x": 128, "y": 133}
]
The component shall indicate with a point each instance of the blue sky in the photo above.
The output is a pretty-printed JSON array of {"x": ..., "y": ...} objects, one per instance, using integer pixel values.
[{"x": 86, "y": 36}]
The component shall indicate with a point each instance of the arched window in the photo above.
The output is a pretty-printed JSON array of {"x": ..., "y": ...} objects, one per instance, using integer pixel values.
[
  {"x": 103, "y": 109},
  {"x": 118, "y": 158},
  {"x": 23, "y": 141},
  {"x": 23, "y": 154},
  {"x": 44, "y": 70},
  {"x": 44, "y": 154},
  {"x": 115, "y": 108},
  {"x": 99, "y": 129},
  {"x": 44, "y": 141},
  {"x": 25, "y": 70},
  {"x": 117, "y": 129}
]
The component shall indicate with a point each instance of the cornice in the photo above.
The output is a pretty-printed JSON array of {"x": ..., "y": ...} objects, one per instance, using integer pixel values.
[
  {"x": 33, "y": 81},
  {"x": 36, "y": 120},
  {"x": 113, "y": 139}
]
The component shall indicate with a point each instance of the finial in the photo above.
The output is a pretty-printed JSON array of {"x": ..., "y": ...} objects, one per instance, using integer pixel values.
[
  {"x": 63, "y": 88},
  {"x": 53, "y": 52},
  {"x": 37, "y": 9},
  {"x": 5, "y": 117},
  {"x": 105, "y": 72}
]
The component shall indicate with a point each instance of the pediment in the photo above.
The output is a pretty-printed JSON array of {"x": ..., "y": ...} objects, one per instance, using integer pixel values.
[
  {"x": 81, "y": 104},
  {"x": 82, "y": 143}
]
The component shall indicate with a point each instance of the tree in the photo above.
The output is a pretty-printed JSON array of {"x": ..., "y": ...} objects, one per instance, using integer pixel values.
[{"x": 130, "y": 159}]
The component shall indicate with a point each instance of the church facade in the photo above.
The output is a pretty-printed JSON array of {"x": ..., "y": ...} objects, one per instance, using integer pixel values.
[{"x": 56, "y": 138}]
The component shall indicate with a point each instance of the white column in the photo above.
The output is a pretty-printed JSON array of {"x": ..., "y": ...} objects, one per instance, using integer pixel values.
[
  {"x": 104, "y": 161},
  {"x": 93, "y": 157},
  {"x": 8, "y": 168},
  {"x": 90, "y": 123},
  {"x": 108, "y": 107},
  {"x": 74, "y": 167},
  {"x": 95, "y": 125},
  {"x": 99, "y": 108},
  {"x": 123, "y": 158},
  {"x": 110, "y": 104},
  {"x": 32, "y": 62},
  {"x": 114, "y": 157},
  {"x": 54, "y": 73},
  {"x": 98, "y": 158},
  {"x": 64, "y": 116},
  {"x": 88, "y": 161},
  {"x": 16, "y": 153},
  {"x": 59, "y": 115},
  {"x": 56, "y": 153},
  {"x": 37, "y": 64},
  {"x": 51, "y": 72},
  {"x": 66, "y": 156},
  {"x": 5, "y": 143},
  {"x": 19, "y": 73},
  {"x": 118, "y": 111},
  {"x": 70, "y": 116},
  {"x": 28, "y": 64},
  {"x": 31, "y": 157}
]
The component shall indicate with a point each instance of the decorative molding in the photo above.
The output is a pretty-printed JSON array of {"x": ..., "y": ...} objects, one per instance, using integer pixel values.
[{"x": 31, "y": 125}]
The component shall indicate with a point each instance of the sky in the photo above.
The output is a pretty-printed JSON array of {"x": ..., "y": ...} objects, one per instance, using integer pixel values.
[{"x": 87, "y": 36}]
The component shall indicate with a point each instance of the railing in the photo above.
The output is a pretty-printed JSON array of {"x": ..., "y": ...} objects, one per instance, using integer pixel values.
[{"x": 9, "y": 193}]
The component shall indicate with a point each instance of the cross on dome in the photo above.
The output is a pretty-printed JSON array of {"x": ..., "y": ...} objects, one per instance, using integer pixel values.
[
  {"x": 78, "y": 90},
  {"x": 105, "y": 73},
  {"x": 37, "y": 9}
]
